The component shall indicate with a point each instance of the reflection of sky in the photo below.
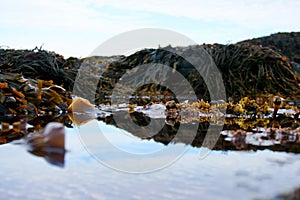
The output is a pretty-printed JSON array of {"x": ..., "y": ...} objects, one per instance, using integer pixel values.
[
  {"x": 221, "y": 175},
  {"x": 119, "y": 138},
  {"x": 119, "y": 150},
  {"x": 125, "y": 141}
]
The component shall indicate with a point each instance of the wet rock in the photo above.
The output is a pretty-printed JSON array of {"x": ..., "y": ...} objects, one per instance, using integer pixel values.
[{"x": 28, "y": 96}]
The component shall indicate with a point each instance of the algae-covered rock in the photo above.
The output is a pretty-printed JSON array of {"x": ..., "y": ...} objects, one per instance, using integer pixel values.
[
  {"x": 19, "y": 95},
  {"x": 40, "y": 64},
  {"x": 266, "y": 65},
  {"x": 247, "y": 70}
]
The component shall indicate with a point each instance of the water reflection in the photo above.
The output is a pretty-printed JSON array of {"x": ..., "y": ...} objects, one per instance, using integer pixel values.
[
  {"x": 238, "y": 174},
  {"x": 42, "y": 136},
  {"x": 239, "y": 133},
  {"x": 48, "y": 143},
  {"x": 280, "y": 134}
]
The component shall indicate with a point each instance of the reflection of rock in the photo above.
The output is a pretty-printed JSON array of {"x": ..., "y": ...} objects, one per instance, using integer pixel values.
[
  {"x": 172, "y": 113},
  {"x": 81, "y": 111},
  {"x": 12, "y": 132},
  {"x": 53, "y": 157},
  {"x": 263, "y": 137},
  {"x": 49, "y": 143},
  {"x": 238, "y": 138},
  {"x": 79, "y": 119},
  {"x": 287, "y": 139},
  {"x": 294, "y": 194},
  {"x": 137, "y": 123}
]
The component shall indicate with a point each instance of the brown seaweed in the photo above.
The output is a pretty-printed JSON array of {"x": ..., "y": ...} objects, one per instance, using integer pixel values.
[{"x": 247, "y": 70}]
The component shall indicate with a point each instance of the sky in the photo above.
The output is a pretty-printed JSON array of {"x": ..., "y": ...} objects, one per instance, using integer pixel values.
[{"x": 77, "y": 27}]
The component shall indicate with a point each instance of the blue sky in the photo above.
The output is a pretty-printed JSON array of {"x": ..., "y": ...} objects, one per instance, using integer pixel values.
[{"x": 76, "y": 28}]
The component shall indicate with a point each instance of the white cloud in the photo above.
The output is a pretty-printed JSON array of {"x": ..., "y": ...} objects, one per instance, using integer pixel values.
[
  {"x": 246, "y": 11},
  {"x": 52, "y": 14},
  {"x": 67, "y": 13},
  {"x": 255, "y": 13}
]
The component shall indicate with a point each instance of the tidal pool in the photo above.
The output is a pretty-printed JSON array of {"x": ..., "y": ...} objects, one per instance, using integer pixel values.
[{"x": 222, "y": 174}]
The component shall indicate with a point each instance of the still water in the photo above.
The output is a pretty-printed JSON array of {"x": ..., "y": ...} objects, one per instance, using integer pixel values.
[{"x": 222, "y": 174}]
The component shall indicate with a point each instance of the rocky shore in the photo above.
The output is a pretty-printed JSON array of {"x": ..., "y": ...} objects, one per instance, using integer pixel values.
[
  {"x": 34, "y": 81},
  {"x": 250, "y": 68},
  {"x": 260, "y": 77}
]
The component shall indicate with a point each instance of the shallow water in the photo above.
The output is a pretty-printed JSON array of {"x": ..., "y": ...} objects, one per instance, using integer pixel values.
[{"x": 219, "y": 175}]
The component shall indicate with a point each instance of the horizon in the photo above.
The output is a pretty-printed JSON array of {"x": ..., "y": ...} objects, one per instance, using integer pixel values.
[{"x": 76, "y": 28}]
